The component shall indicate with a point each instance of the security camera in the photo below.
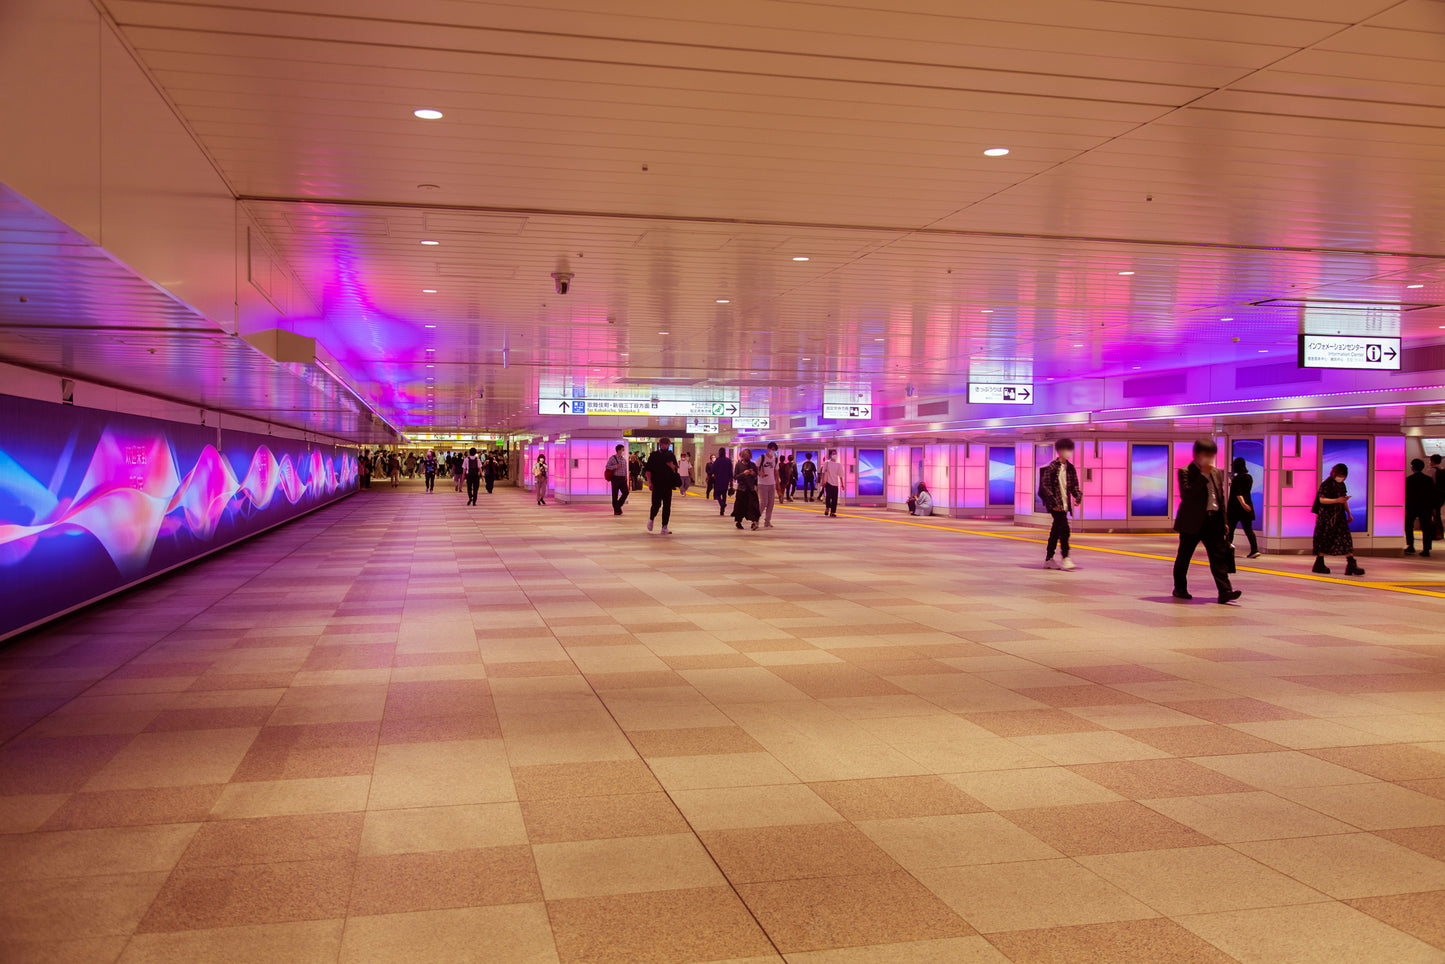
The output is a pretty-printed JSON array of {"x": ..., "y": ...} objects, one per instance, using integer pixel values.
[{"x": 563, "y": 280}]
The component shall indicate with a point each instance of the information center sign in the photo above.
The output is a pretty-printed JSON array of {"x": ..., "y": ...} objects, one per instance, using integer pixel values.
[{"x": 1355, "y": 352}]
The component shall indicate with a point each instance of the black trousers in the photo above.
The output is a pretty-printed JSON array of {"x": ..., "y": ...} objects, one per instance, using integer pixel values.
[
  {"x": 1059, "y": 533},
  {"x": 1214, "y": 537},
  {"x": 474, "y": 484},
  {"x": 490, "y": 482},
  {"x": 830, "y": 499},
  {"x": 1248, "y": 532},
  {"x": 619, "y": 495},
  {"x": 662, "y": 499},
  {"x": 1427, "y": 525},
  {"x": 809, "y": 489},
  {"x": 431, "y": 480},
  {"x": 722, "y": 500},
  {"x": 790, "y": 489}
]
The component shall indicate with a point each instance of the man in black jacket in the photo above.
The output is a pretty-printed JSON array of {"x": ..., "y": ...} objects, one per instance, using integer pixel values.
[
  {"x": 1059, "y": 492},
  {"x": 1419, "y": 505},
  {"x": 662, "y": 476},
  {"x": 1202, "y": 501},
  {"x": 722, "y": 479}
]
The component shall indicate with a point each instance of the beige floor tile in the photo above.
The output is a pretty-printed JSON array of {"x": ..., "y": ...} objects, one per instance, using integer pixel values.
[
  {"x": 1309, "y": 734},
  {"x": 1371, "y": 806},
  {"x": 302, "y": 942},
  {"x": 795, "y": 851},
  {"x": 1199, "y": 880},
  {"x": 1237, "y": 817},
  {"x": 598, "y": 818},
  {"x": 27, "y": 812},
  {"x": 92, "y": 950},
  {"x": 88, "y": 853},
  {"x": 950, "y": 950},
  {"x": 1350, "y": 865},
  {"x": 586, "y": 747},
  {"x": 1031, "y": 894},
  {"x": 625, "y": 865},
  {"x": 440, "y": 774},
  {"x": 1048, "y": 786},
  {"x": 515, "y": 933},
  {"x": 1327, "y": 933},
  {"x": 277, "y": 797},
  {"x": 890, "y": 797},
  {"x": 1419, "y": 915},
  {"x": 1273, "y": 771},
  {"x": 1107, "y": 746},
  {"x": 984, "y": 753},
  {"x": 72, "y": 908},
  {"x": 182, "y": 758},
  {"x": 1156, "y": 940},
  {"x": 721, "y": 770},
  {"x": 697, "y": 924},
  {"x": 755, "y": 685},
  {"x": 955, "y": 840},
  {"x": 733, "y": 808},
  {"x": 422, "y": 829}
]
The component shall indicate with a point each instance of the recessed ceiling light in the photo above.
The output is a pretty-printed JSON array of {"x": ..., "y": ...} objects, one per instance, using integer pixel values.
[
  {"x": 1126, "y": 272},
  {"x": 1264, "y": 351},
  {"x": 431, "y": 366},
  {"x": 996, "y": 152},
  {"x": 1078, "y": 344},
  {"x": 431, "y": 242},
  {"x": 624, "y": 354},
  {"x": 431, "y": 326},
  {"x": 878, "y": 339},
  {"x": 428, "y": 291},
  {"x": 427, "y": 113},
  {"x": 1226, "y": 319},
  {"x": 664, "y": 332},
  {"x": 724, "y": 301},
  {"x": 800, "y": 258},
  {"x": 1414, "y": 286},
  {"x": 986, "y": 311}
]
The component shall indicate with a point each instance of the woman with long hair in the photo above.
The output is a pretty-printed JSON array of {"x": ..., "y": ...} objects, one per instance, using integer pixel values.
[
  {"x": 1241, "y": 505},
  {"x": 745, "y": 478},
  {"x": 1332, "y": 523}
]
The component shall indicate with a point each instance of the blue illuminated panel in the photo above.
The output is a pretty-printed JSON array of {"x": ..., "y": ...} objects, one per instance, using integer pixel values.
[
  {"x": 870, "y": 472},
  {"x": 1354, "y": 452},
  {"x": 1000, "y": 475}
]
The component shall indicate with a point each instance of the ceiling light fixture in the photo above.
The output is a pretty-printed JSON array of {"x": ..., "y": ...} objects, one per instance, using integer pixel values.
[
  {"x": 1414, "y": 286},
  {"x": 664, "y": 332},
  {"x": 1226, "y": 319},
  {"x": 996, "y": 152},
  {"x": 428, "y": 291},
  {"x": 431, "y": 326},
  {"x": 431, "y": 242},
  {"x": 428, "y": 113},
  {"x": 800, "y": 258},
  {"x": 1126, "y": 272},
  {"x": 986, "y": 311},
  {"x": 724, "y": 301}
]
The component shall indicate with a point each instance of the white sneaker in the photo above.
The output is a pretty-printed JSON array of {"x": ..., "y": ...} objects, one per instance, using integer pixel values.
[
  {"x": 1068, "y": 565},
  {"x": 649, "y": 525},
  {"x": 1051, "y": 563},
  {"x": 666, "y": 531}
]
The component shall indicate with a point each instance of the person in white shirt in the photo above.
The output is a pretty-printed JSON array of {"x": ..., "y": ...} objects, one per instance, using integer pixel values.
[
  {"x": 684, "y": 472},
  {"x": 616, "y": 473},
  {"x": 831, "y": 472},
  {"x": 768, "y": 483}
]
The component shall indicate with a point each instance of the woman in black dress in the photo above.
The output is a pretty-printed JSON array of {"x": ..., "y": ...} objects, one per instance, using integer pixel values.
[
  {"x": 1332, "y": 523},
  {"x": 1241, "y": 505},
  {"x": 745, "y": 478}
]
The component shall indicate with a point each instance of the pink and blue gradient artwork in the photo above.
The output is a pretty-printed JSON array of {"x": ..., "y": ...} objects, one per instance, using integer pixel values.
[
  {"x": 1353, "y": 453},
  {"x": 92, "y": 501},
  {"x": 1000, "y": 475},
  {"x": 870, "y": 472},
  {"x": 1149, "y": 481}
]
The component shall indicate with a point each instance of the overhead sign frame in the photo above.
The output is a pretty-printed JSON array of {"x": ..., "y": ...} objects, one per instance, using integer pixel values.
[
  {"x": 1367, "y": 353},
  {"x": 1000, "y": 393}
]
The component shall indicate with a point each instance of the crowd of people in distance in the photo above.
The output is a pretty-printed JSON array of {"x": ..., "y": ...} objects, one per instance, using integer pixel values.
[{"x": 463, "y": 468}]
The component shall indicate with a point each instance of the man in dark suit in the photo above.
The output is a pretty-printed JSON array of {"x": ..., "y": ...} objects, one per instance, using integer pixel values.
[
  {"x": 1202, "y": 501},
  {"x": 1420, "y": 505}
]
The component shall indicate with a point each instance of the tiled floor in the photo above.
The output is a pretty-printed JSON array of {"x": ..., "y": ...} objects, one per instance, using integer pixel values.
[{"x": 402, "y": 730}]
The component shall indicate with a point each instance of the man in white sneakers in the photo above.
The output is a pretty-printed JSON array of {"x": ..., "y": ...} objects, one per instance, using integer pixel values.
[
  {"x": 661, "y": 474},
  {"x": 768, "y": 483},
  {"x": 1059, "y": 492},
  {"x": 831, "y": 475}
]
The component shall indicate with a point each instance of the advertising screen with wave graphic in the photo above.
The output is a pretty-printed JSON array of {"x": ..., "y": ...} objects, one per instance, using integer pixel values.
[{"x": 93, "y": 501}]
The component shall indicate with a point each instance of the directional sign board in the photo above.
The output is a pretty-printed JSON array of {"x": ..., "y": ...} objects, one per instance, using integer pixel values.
[
  {"x": 654, "y": 407},
  {"x": 988, "y": 393},
  {"x": 1362, "y": 352},
  {"x": 752, "y": 423},
  {"x": 841, "y": 410},
  {"x": 695, "y": 427}
]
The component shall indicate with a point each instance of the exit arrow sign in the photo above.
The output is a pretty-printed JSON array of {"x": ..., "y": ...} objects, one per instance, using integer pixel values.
[
  {"x": 989, "y": 393},
  {"x": 838, "y": 410}
]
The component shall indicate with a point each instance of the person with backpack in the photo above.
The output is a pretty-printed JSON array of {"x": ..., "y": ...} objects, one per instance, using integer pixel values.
[
  {"x": 722, "y": 479},
  {"x": 1419, "y": 507},
  {"x": 474, "y": 476},
  {"x": 809, "y": 473},
  {"x": 684, "y": 473},
  {"x": 429, "y": 469},
  {"x": 456, "y": 461},
  {"x": 539, "y": 478},
  {"x": 489, "y": 472},
  {"x": 662, "y": 476},
  {"x": 615, "y": 472}
]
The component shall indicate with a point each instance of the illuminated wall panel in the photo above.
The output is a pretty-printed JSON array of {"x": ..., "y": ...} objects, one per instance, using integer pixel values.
[
  {"x": 1026, "y": 478},
  {"x": 1355, "y": 453},
  {"x": 1149, "y": 481},
  {"x": 900, "y": 471},
  {"x": 970, "y": 475},
  {"x": 1001, "y": 473},
  {"x": 1389, "y": 486},
  {"x": 1297, "y": 479},
  {"x": 869, "y": 480},
  {"x": 93, "y": 501},
  {"x": 584, "y": 480},
  {"x": 937, "y": 473}
]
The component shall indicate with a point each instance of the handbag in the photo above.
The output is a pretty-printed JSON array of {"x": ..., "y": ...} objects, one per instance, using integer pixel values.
[{"x": 1229, "y": 564}]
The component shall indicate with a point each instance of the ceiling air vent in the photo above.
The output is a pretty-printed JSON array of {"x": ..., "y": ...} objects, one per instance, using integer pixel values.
[
  {"x": 1154, "y": 385},
  {"x": 932, "y": 408}
]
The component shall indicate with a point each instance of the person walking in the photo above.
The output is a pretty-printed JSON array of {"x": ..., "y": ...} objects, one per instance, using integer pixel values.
[
  {"x": 831, "y": 474},
  {"x": 489, "y": 473},
  {"x": 767, "y": 488},
  {"x": 1419, "y": 507},
  {"x": 363, "y": 469},
  {"x": 745, "y": 477},
  {"x": 1059, "y": 492},
  {"x": 684, "y": 473},
  {"x": 722, "y": 479},
  {"x": 393, "y": 469},
  {"x": 707, "y": 476},
  {"x": 429, "y": 469},
  {"x": 474, "y": 476},
  {"x": 539, "y": 477},
  {"x": 809, "y": 473},
  {"x": 1241, "y": 505},
  {"x": 634, "y": 471},
  {"x": 1332, "y": 523},
  {"x": 615, "y": 472},
  {"x": 456, "y": 461},
  {"x": 1200, "y": 518},
  {"x": 662, "y": 476}
]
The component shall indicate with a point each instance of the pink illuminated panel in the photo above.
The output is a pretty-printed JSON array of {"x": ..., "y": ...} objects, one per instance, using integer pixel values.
[
  {"x": 899, "y": 473},
  {"x": 590, "y": 456},
  {"x": 1388, "y": 486},
  {"x": 1291, "y": 471},
  {"x": 1026, "y": 479},
  {"x": 937, "y": 474},
  {"x": 1113, "y": 479},
  {"x": 971, "y": 475}
]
